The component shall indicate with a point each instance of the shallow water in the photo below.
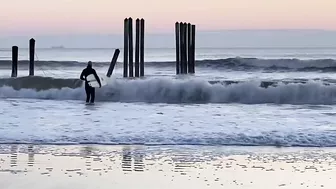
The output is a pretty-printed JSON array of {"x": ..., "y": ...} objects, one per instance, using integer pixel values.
[
  {"x": 273, "y": 101},
  {"x": 65, "y": 122}
]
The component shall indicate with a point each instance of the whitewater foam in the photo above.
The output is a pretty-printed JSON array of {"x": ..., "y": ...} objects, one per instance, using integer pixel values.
[
  {"x": 69, "y": 122},
  {"x": 190, "y": 90},
  {"x": 199, "y": 139}
]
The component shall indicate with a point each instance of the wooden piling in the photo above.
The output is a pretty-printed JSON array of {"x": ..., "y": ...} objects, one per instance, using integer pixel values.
[
  {"x": 185, "y": 48},
  {"x": 193, "y": 45},
  {"x": 15, "y": 54},
  {"x": 177, "y": 41},
  {"x": 113, "y": 63},
  {"x": 181, "y": 48},
  {"x": 130, "y": 46},
  {"x": 137, "y": 47},
  {"x": 31, "y": 56},
  {"x": 142, "y": 47},
  {"x": 189, "y": 36},
  {"x": 125, "y": 47}
]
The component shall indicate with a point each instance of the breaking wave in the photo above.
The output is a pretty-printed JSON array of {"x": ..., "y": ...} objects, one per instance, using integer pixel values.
[
  {"x": 40, "y": 83},
  {"x": 324, "y": 65},
  {"x": 163, "y": 90}
]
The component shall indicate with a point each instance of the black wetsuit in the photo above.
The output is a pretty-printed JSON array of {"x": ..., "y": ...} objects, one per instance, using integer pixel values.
[{"x": 90, "y": 91}]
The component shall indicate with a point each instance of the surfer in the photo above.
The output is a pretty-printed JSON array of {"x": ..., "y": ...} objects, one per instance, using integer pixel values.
[{"x": 90, "y": 91}]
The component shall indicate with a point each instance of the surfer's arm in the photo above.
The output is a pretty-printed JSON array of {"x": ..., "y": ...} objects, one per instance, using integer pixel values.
[
  {"x": 97, "y": 78},
  {"x": 82, "y": 76}
]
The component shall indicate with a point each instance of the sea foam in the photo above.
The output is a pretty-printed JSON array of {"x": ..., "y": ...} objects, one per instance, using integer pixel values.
[{"x": 192, "y": 90}]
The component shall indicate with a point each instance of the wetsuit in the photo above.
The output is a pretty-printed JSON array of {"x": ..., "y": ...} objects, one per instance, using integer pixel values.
[{"x": 90, "y": 91}]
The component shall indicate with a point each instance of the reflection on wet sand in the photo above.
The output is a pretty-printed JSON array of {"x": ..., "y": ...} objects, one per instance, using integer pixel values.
[
  {"x": 126, "y": 159},
  {"x": 86, "y": 152},
  {"x": 14, "y": 156},
  {"x": 139, "y": 165},
  {"x": 31, "y": 155},
  {"x": 156, "y": 167},
  {"x": 132, "y": 160},
  {"x": 182, "y": 163}
]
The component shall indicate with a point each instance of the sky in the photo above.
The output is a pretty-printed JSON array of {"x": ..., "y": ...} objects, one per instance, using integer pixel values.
[
  {"x": 105, "y": 16},
  {"x": 72, "y": 22}
]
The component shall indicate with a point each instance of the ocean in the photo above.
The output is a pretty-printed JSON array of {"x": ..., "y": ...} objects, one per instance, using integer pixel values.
[
  {"x": 248, "y": 118},
  {"x": 257, "y": 97}
]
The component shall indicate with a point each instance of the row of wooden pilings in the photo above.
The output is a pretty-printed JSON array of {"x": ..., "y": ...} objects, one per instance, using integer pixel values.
[
  {"x": 185, "y": 50},
  {"x": 15, "y": 55},
  {"x": 185, "y": 47},
  {"x": 139, "y": 66}
]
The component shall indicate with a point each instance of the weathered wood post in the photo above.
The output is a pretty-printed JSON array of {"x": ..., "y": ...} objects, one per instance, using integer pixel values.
[
  {"x": 125, "y": 47},
  {"x": 15, "y": 54},
  {"x": 189, "y": 36},
  {"x": 193, "y": 45},
  {"x": 113, "y": 63},
  {"x": 177, "y": 41},
  {"x": 130, "y": 46},
  {"x": 181, "y": 48},
  {"x": 31, "y": 56},
  {"x": 185, "y": 48},
  {"x": 142, "y": 47},
  {"x": 137, "y": 47}
]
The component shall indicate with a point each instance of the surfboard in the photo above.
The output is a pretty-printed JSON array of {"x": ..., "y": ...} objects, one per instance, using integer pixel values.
[{"x": 94, "y": 83}]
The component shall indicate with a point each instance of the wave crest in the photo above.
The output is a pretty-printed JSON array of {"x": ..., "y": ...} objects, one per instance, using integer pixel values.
[
  {"x": 178, "y": 91},
  {"x": 40, "y": 83}
]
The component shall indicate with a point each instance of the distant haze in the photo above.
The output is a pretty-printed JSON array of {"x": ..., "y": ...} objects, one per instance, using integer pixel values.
[{"x": 217, "y": 39}]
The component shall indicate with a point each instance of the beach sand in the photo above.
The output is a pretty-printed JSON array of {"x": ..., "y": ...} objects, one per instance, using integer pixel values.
[{"x": 149, "y": 167}]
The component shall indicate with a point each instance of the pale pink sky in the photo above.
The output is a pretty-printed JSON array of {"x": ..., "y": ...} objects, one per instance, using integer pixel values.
[{"x": 106, "y": 16}]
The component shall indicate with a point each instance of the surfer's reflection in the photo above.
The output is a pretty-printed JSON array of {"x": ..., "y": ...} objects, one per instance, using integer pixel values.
[{"x": 87, "y": 153}]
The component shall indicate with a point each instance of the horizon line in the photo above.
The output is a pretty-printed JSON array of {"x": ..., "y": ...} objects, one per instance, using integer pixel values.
[
  {"x": 172, "y": 32},
  {"x": 151, "y": 48}
]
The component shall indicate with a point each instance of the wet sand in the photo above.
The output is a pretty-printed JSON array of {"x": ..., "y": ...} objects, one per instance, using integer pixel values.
[{"x": 149, "y": 167}]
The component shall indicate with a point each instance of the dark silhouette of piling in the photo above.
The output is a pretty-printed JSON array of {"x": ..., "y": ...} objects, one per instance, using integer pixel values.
[
  {"x": 137, "y": 48},
  {"x": 113, "y": 63},
  {"x": 193, "y": 38},
  {"x": 31, "y": 56},
  {"x": 130, "y": 46},
  {"x": 177, "y": 41},
  {"x": 189, "y": 36},
  {"x": 185, "y": 47},
  {"x": 125, "y": 47},
  {"x": 181, "y": 47},
  {"x": 142, "y": 47},
  {"x": 15, "y": 54}
]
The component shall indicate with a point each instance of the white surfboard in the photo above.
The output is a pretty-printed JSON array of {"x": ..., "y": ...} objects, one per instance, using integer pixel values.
[{"x": 94, "y": 83}]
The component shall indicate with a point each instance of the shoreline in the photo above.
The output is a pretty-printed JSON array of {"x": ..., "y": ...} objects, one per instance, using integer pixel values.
[{"x": 90, "y": 166}]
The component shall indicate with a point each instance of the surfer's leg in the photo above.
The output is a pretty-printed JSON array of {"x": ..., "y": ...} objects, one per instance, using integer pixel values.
[
  {"x": 87, "y": 90},
  {"x": 93, "y": 91}
]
